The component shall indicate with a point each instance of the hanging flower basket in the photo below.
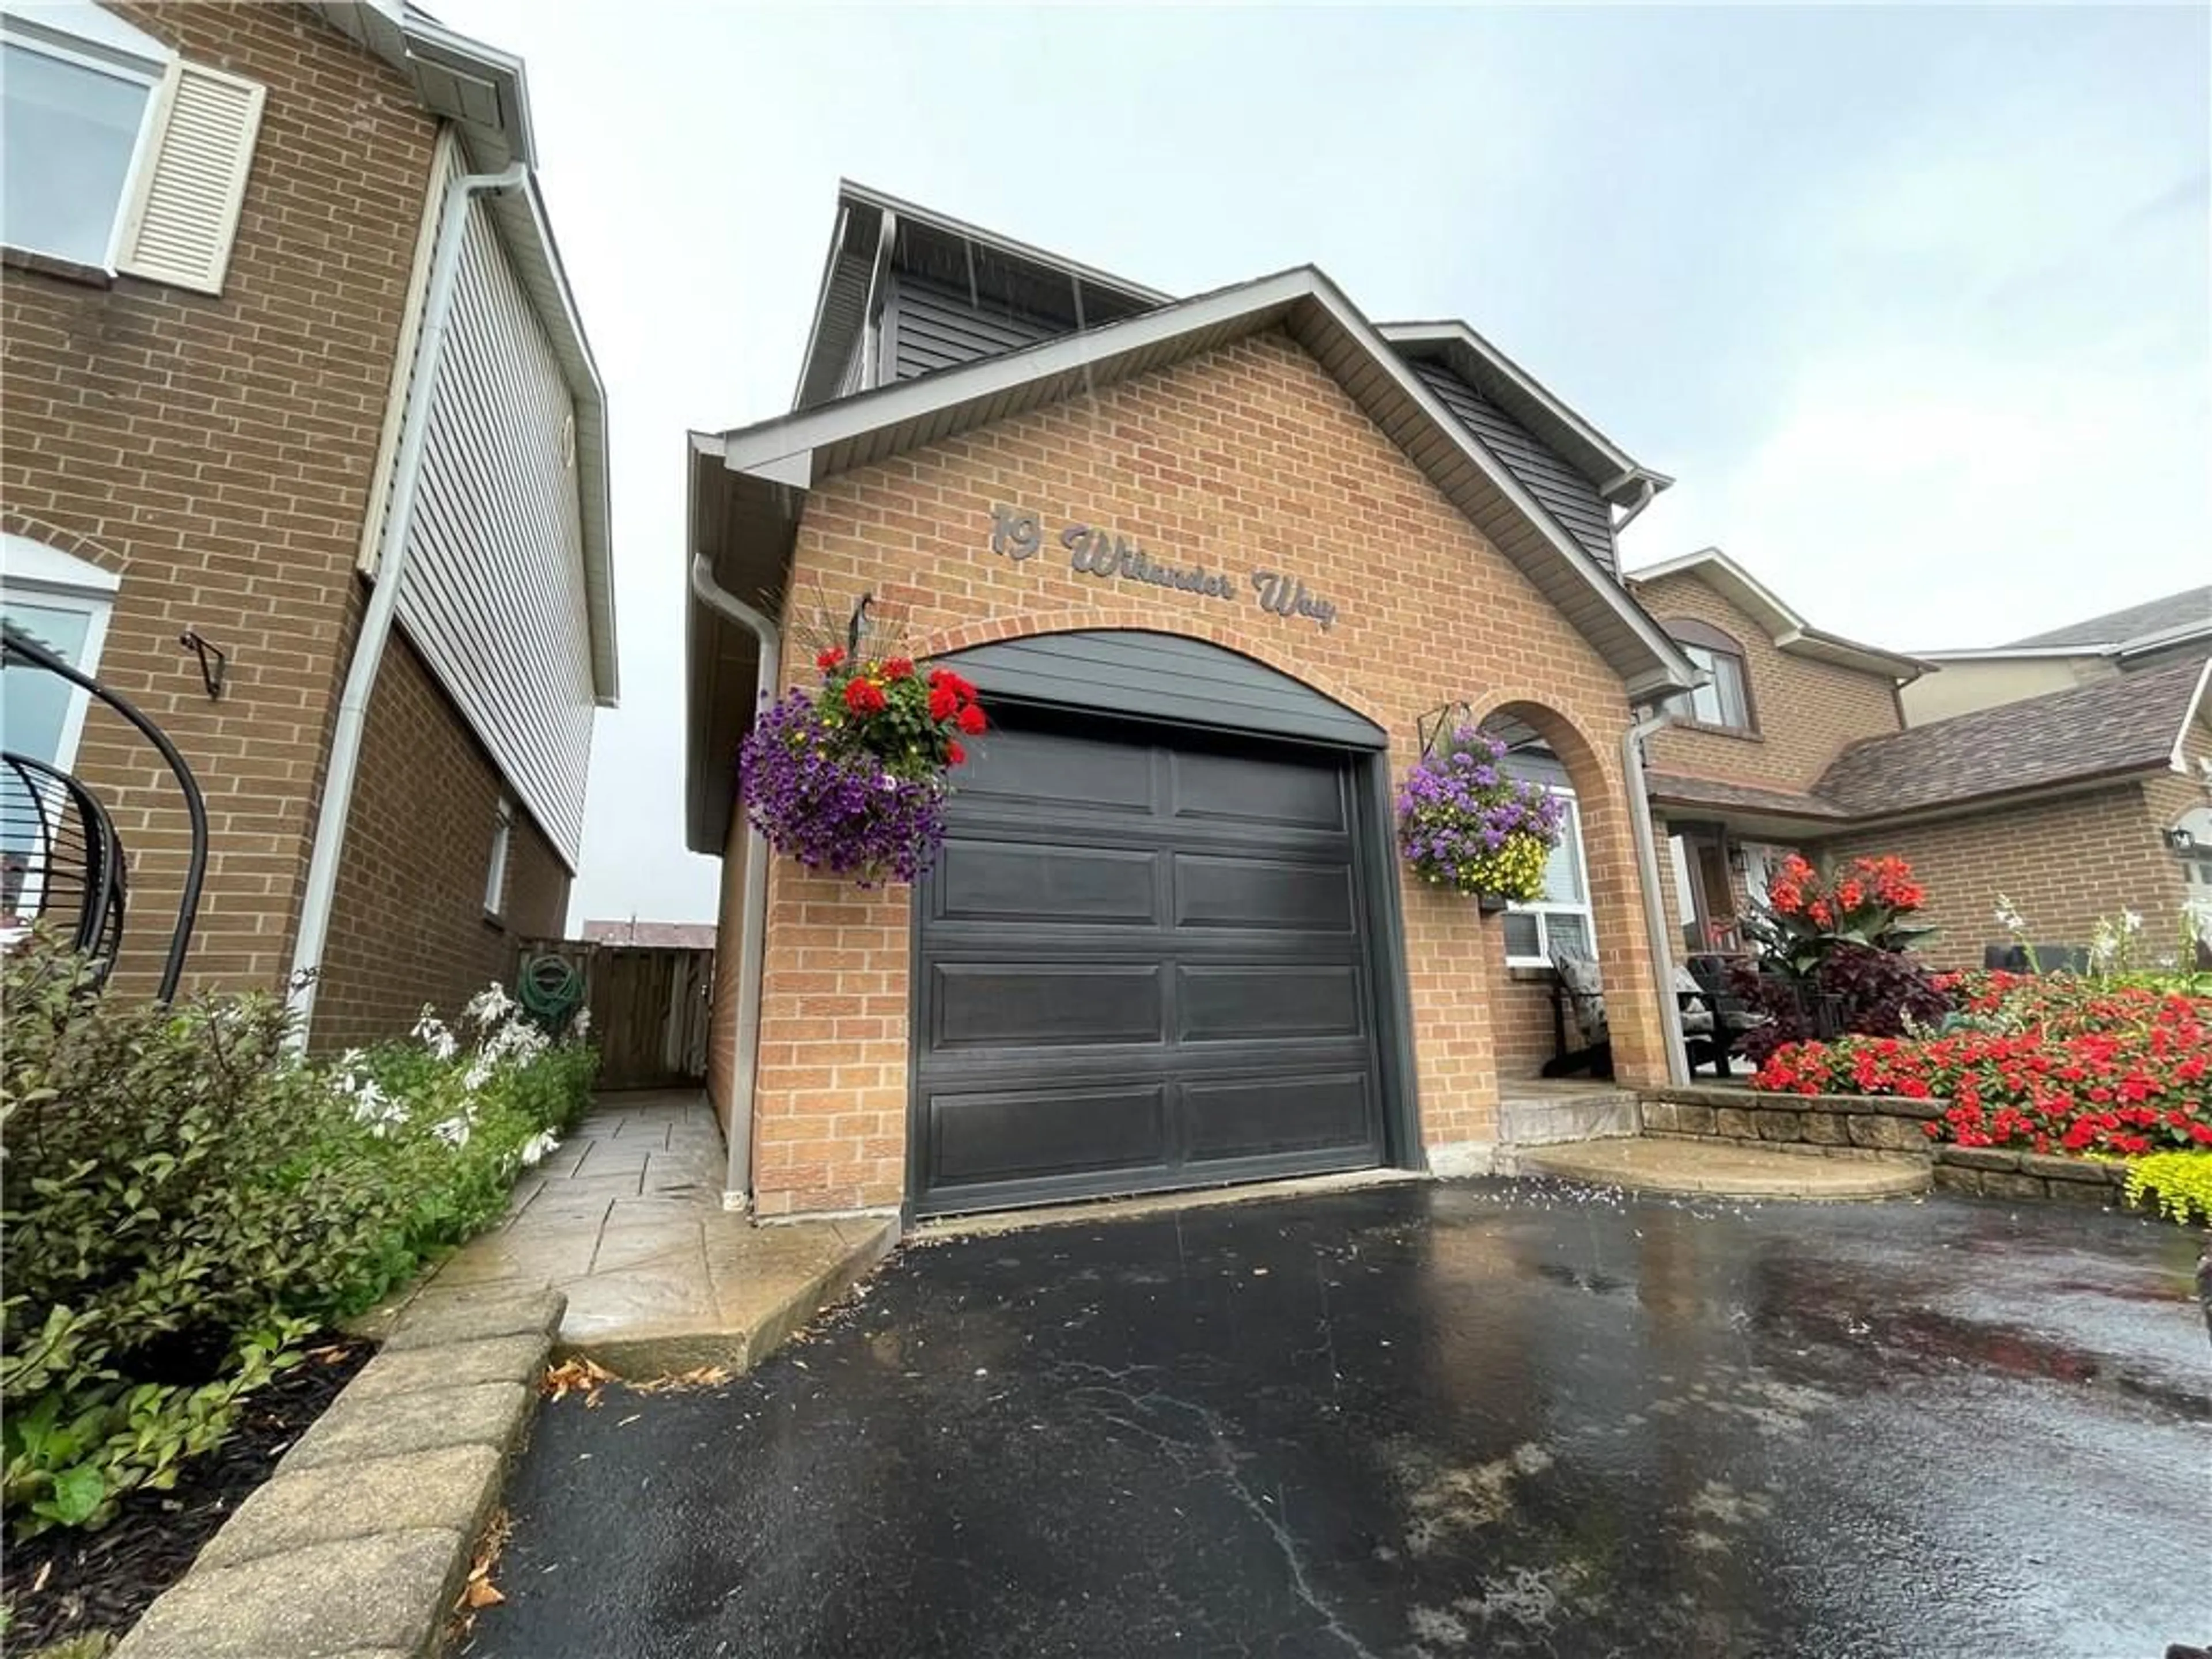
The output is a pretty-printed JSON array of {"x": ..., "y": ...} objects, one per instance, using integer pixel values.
[
  {"x": 850, "y": 779},
  {"x": 1463, "y": 824}
]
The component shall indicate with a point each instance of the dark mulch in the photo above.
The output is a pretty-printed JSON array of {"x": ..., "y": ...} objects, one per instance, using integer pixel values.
[{"x": 65, "y": 1583}]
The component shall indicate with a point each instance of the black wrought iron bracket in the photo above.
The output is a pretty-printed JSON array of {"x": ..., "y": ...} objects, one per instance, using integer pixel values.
[
  {"x": 858, "y": 626},
  {"x": 214, "y": 662},
  {"x": 1441, "y": 722}
]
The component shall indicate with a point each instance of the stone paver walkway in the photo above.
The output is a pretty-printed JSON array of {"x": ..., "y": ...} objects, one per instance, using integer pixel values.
[
  {"x": 626, "y": 1219},
  {"x": 1722, "y": 1168}
]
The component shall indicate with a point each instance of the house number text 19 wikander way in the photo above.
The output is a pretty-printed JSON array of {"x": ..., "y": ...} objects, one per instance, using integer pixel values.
[{"x": 1019, "y": 536}]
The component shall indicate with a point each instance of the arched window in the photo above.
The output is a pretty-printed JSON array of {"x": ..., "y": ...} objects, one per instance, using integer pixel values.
[
  {"x": 1725, "y": 701},
  {"x": 62, "y": 601}
]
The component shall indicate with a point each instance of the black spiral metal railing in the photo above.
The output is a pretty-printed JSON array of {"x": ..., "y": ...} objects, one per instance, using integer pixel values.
[{"x": 61, "y": 861}]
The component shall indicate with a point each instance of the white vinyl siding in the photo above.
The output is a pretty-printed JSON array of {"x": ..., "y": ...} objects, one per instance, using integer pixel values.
[
  {"x": 493, "y": 595},
  {"x": 185, "y": 216}
]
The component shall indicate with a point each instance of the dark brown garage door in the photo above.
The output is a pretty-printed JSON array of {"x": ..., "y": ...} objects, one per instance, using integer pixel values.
[{"x": 1141, "y": 966}]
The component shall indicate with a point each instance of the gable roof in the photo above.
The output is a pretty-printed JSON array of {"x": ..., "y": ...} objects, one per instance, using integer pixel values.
[
  {"x": 2131, "y": 627},
  {"x": 748, "y": 486},
  {"x": 2109, "y": 728},
  {"x": 1616, "y": 476},
  {"x": 1789, "y": 631}
]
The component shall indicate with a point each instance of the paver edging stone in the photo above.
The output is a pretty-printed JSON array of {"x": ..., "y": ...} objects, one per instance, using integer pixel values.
[{"x": 298, "y": 1574}]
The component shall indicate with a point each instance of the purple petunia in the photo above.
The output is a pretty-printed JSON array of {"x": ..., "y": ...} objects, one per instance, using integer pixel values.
[
  {"x": 1457, "y": 806},
  {"x": 830, "y": 804}
]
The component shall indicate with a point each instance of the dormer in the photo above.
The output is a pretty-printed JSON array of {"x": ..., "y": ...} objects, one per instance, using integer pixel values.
[{"x": 906, "y": 291}]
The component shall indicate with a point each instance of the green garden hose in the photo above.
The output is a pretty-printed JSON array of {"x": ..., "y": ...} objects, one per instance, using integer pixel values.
[{"x": 550, "y": 986}]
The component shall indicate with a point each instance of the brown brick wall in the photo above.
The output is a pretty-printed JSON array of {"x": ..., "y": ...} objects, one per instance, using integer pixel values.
[
  {"x": 1253, "y": 447},
  {"x": 1520, "y": 1021},
  {"x": 408, "y": 926},
  {"x": 2063, "y": 863},
  {"x": 1807, "y": 711},
  {"x": 215, "y": 452}
]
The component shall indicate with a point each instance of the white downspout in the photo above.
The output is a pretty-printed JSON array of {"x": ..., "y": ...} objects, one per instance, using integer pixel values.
[
  {"x": 753, "y": 927},
  {"x": 337, "y": 803},
  {"x": 1655, "y": 911}
]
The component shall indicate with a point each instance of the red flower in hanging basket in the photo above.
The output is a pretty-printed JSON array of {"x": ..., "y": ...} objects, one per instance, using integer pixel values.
[
  {"x": 944, "y": 703},
  {"x": 970, "y": 719},
  {"x": 828, "y": 659},
  {"x": 899, "y": 668},
  {"x": 954, "y": 754},
  {"x": 865, "y": 697}
]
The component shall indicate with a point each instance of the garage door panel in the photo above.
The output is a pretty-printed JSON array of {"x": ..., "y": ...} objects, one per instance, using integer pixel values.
[
  {"x": 1225, "y": 1002},
  {"x": 1036, "y": 1134},
  {"x": 981, "y": 1005},
  {"x": 1140, "y": 963},
  {"x": 1247, "y": 1117},
  {"x": 1256, "y": 789},
  {"x": 1017, "y": 767},
  {"x": 1035, "y": 883},
  {"x": 1213, "y": 892}
]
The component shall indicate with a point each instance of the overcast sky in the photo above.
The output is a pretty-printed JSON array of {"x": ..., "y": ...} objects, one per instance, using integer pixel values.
[{"x": 1913, "y": 302}]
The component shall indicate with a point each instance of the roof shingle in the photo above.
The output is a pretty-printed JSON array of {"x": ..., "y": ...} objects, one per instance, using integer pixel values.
[
  {"x": 2126, "y": 723},
  {"x": 2115, "y": 627}
]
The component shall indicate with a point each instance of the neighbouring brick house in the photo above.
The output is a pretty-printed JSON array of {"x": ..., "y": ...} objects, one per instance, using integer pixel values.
[
  {"x": 2076, "y": 796},
  {"x": 283, "y": 317},
  {"x": 1168, "y": 942}
]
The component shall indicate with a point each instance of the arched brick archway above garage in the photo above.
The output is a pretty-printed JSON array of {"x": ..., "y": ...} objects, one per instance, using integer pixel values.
[{"x": 1150, "y": 619}]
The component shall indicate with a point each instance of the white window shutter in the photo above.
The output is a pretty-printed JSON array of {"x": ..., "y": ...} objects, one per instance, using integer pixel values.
[{"x": 183, "y": 213}]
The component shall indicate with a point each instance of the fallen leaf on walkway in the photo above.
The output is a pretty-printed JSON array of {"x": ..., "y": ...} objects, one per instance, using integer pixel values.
[
  {"x": 578, "y": 1376},
  {"x": 479, "y": 1592}
]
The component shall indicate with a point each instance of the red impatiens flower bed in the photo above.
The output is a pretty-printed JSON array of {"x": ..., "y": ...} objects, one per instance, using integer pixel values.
[{"x": 2052, "y": 1064}]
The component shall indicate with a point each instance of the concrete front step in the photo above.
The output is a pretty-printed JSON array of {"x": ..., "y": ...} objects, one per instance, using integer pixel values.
[
  {"x": 1547, "y": 1118},
  {"x": 1721, "y": 1169}
]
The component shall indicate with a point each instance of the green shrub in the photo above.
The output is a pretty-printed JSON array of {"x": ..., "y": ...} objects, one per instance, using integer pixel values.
[
  {"x": 2178, "y": 1185},
  {"x": 184, "y": 1199}
]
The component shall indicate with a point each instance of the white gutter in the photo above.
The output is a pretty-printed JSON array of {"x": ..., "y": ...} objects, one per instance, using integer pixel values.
[
  {"x": 1655, "y": 911},
  {"x": 1647, "y": 488},
  {"x": 753, "y": 927},
  {"x": 336, "y": 805}
]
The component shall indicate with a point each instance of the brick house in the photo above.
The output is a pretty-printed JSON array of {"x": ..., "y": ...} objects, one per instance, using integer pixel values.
[
  {"x": 2072, "y": 787},
  {"x": 1212, "y": 562},
  {"x": 291, "y": 365}
]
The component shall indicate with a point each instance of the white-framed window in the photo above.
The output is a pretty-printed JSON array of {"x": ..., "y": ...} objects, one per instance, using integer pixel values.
[
  {"x": 62, "y": 602},
  {"x": 1561, "y": 919},
  {"x": 503, "y": 836},
  {"x": 77, "y": 89},
  {"x": 119, "y": 155}
]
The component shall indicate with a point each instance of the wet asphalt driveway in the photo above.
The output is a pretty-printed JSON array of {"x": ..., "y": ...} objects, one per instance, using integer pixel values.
[{"x": 1478, "y": 1419}]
